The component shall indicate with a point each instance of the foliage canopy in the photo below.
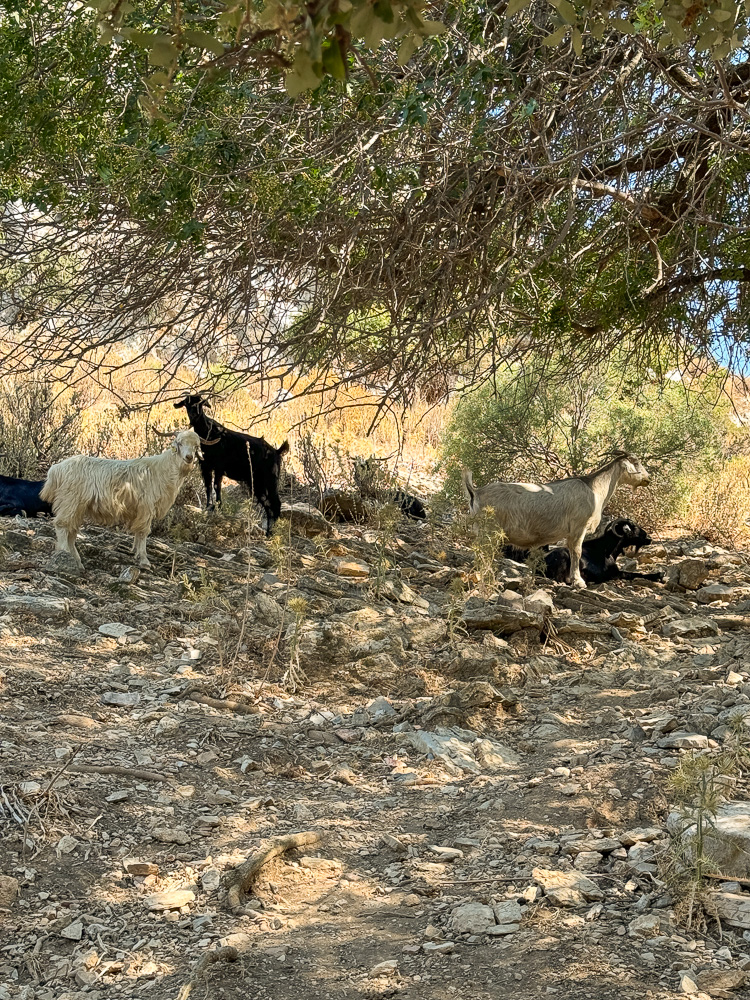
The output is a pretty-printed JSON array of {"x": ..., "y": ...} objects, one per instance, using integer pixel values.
[{"x": 491, "y": 197}]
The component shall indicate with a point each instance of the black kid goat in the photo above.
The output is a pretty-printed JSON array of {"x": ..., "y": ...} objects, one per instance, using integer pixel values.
[
  {"x": 242, "y": 457},
  {"x": 598, "y": 557},
  {"x": 372, "y": 481},
  {"x": 21, "y": 496}
]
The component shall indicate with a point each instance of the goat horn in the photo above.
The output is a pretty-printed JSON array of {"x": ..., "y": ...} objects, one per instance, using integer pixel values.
[
  {"x": 212, "y": 441},
  {"x": 163, "y": 434}
]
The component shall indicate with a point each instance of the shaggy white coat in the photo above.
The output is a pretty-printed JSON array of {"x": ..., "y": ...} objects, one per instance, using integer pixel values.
[
  {"x": 533, "y": 514},
  {"x": 132, "y": 493}
]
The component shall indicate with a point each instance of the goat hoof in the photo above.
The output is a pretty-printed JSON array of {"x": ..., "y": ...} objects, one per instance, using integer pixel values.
[{"x": 580, "y": 584}]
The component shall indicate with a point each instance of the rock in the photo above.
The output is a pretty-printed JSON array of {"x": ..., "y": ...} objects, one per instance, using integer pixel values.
[
  {"x": 40, "y": 607},
  {"x": 689, "y": 628},
  {"x": 648, "y": 925},
  {"x": 66, "y": 845},
  {"x": 688, "y": 574},
  {"x": 438, "y": 948},
  {"x": 602, "y": 845},
  {"x": 412, "y": 899},
  {"x": 169, "y": 724},
  {"x": 720, "y": 592},
  {"x": 129, "y": 574},
  {"x": 305, "y": 519},
  {"x": 73, "y": 931},
  {"x": 211, "y": 879},
  {"x": 688, "y": 983},
  {"x": 588, "y": 861},
  {"x": 641, "y": 834},
  {"x": 170, "y": 835},
  {"x": 540, "y": 602},
  {"x": 8, "y": 891},
  {"x": 133, "y": 866},
  {"x": 446, "y": 853},
  {"x": 508, "y": 912},
  {"x": 122, "y": 698},
  {"x": 500, "y": 618},
  {"x": 350, "y": 567},
  {"x": 267, "y": 610},
  {"x": 733, "y": 908},
  {"x": 115, "y": 630},
  {"x": 395, "y": 844},
  {"x": 459, "y": 755},
  {"x": 472, "y": 918},
  {"x": 170, "y": 899},
  {"x": 120, "y": 795},
  {"x": 686, "y": 741},
  {"x": 567, "y": 889},
  {"x": 501, "y": 930},
  {"x": 389, "y": 968},
  {"x": 719, "y": 982},
  {"x": 380, "y": 707},
  {"x": 727, "y": 842}
]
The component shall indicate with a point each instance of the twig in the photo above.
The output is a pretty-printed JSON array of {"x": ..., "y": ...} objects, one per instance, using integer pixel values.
[
  {"x": 224, "y": 703},
  {"x": 226, "y": 954},
  {"x": 238, "y": 881}
]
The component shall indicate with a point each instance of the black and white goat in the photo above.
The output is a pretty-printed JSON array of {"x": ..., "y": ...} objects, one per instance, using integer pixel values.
[
  {"x": 598, "y": 557},
  {"x": 21, "y": 496},
  {"x": 372, "y": 481},
  {"x": 242, "y": 457}
]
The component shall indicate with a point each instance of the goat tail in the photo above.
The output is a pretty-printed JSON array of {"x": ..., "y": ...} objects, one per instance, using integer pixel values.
[
  {"x": 469, "y": 491},
  {"x": 283, "y": 449},
  {"x": 51, "y": 485}
]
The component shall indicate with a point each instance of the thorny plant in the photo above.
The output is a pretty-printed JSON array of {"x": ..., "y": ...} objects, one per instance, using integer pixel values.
[
  {"x": 700, "y": 784},
  {"x": 486, "y": 543},
  {"x": 456, "y": 591},
  {"x": 294, "y": 675},
  {"x": 202, "y": 591},
  {"x": 535, "y": 563},
  {"x": 388, "y": 518}
]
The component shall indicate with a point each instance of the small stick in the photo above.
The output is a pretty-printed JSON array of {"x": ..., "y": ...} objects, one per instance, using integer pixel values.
[
  {"x": 123, "y": 772},
  {"x": 238, "y": 881},
  {"x": 232, "y": 706},
  {"x": 227, "y": 954}
]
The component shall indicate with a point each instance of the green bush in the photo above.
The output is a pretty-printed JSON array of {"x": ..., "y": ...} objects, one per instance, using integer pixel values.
[{"x": 530, "y": 427}]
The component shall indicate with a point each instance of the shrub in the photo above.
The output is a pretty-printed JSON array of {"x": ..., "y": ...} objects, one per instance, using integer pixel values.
[
  {"x": 39, "y": 425},
  {"x": 528, "y": 427}
]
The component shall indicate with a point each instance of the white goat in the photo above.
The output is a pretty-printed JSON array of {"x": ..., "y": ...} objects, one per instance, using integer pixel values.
[
  {"x": 112, "y": 491},
  {"x": 533, "y": 515}
]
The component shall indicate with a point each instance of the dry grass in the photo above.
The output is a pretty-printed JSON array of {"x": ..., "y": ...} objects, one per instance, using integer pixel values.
[
  {"x": 117, "y": 421},
  {"x": 720, "y": 504}
]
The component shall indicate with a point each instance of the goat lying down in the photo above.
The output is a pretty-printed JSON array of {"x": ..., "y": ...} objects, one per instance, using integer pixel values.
[
  {"x": 21, "y": 496},
  {"x": 110, "y": 491},
  {"x": 372, "y": 482},
  {"x": 533, "y": 515},
  {"x": 598, "y": 557}
]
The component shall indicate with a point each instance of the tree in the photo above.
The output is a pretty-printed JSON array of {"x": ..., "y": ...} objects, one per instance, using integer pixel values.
[{"x": 491, "y": 198}]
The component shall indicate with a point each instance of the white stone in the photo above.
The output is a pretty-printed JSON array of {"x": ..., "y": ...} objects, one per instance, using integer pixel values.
[{"x": 472, "y": 918}]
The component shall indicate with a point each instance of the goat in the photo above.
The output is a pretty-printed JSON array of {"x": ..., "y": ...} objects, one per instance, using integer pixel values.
[
  {"x": 371, "y": 482},
  {"x": 246, "y": 459},
  {"x": 111, "y": 491},
  {"x": 598, "y": 555},
  {"x": 534, "y": 515},
  {"x": 21, "y": 496}
]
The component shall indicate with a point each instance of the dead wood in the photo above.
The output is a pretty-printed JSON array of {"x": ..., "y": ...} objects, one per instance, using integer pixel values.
[
  {"x": 220, "y": 955},
  {"x": 238, "y": 880},
  {"x": 123, "y": 772}
]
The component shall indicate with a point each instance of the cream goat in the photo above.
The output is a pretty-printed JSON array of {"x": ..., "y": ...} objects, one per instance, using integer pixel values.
[
  {"x": 532, "y": 515},
  {"x": 131, "y": 493}
]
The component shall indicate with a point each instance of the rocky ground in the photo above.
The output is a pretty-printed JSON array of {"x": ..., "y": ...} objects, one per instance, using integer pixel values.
[{"x": 483, "y": 777}]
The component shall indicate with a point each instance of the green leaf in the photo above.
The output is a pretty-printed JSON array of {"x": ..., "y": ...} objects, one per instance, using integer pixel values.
[
  {"x": 407, "y": 48},
  {"x": 556, "y": 36},
  {"x": 303, "y": 75},
  {"x": 202, "y": 40},
  {"x": 383, "y": 10},
  {"x": 514, "y": 6},
  {"x": 575, "y": 37},
  {"x": 162, "y": 54},
  {"x": 566, "y": 10},
  {"x": 432, "y": 28},
  {"x": 332, "y": 61}
]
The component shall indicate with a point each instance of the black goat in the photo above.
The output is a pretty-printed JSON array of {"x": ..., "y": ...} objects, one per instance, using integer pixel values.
[
  {"x": 598, "y": 557},
  {"x": 21, "y": 496},
  {"x": 246, "y": 459},
  {"x": 372, "y": 482}
]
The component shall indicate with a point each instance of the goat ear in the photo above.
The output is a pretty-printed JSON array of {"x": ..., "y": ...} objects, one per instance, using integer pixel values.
[
  {"x": 178, "y": 405},
  {"x": 627, "y": 529}
]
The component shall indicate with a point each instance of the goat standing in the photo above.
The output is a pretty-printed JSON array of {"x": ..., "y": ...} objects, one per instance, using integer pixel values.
[
  {"x": 533, "y": 515},
  {"x": 112, "y": 491},
  {"x": 242, "y": 457}
]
